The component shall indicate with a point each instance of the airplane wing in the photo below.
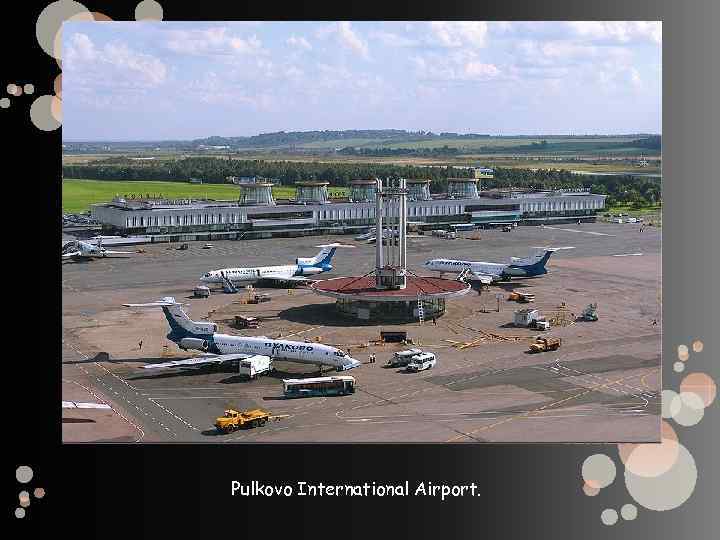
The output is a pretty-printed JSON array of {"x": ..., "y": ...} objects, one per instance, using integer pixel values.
[
  {"x": 109, "y": 252},
  {"x": 71, "y": 255},
  {"x": 199, "y": 360},
  {"x": 78, "y": 405},
  {"x": 485, "y": 279}
]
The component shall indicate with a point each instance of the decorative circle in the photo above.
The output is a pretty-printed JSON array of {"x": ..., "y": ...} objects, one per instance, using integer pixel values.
[
  {"x": 652, "y": 459},
  {"x": 42, "y": 113},
  {"x": 679, "y": 367},
  {"x": 590, "y": 491},
  {"x": 39, "y": 493},
  {"x": 19, "y": 513},
  {"x": 683, "y": 353},
  {"x": 29, "y": 88},
  {"x": 688, "y": 408},
  {"x": 697, "y": 346},
  {"x": 100, "y": 16},
  {"x": 666, "y": 397},
  {"x": 609, "y": 516},
  {"x": 668, "y": 490},
  {"x": 23, "y": 474},
  {"x": 57, "y": 86},
  {"x": 702, "y": 385},
  {"x": 598, "y": 471},
  {"x": 4, "y": 103},
  {"x": 148, "y": 10},
  {"x": 13, "y": 89},
  {"x": 48, "y": 28},
  {"x": 629, "y": 512},
  {"x": 24, "y": 498}
]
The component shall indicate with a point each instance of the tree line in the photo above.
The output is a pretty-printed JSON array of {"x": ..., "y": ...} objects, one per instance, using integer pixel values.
[{"x": 621, "y": 189}]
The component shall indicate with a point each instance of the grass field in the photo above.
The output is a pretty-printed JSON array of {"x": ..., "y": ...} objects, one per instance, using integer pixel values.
[{"x": 78, "y": 195}]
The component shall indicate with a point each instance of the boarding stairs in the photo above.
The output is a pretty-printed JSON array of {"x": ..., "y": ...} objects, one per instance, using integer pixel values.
[{"x": 228, "y": 286}]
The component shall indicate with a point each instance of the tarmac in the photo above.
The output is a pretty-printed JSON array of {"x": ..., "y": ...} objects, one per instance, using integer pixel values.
[{"x": 602, "y": 385}]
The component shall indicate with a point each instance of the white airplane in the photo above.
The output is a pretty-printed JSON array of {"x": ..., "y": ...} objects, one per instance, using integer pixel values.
[
  {"x": 79, "y": 250},
  {"x": 297, "y": 272},
  {"x": 220, "y": 348},
  {"x": 487, "y": 272}
]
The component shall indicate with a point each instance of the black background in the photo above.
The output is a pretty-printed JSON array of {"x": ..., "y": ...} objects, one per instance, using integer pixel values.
[{"x": 528, "y": 491}]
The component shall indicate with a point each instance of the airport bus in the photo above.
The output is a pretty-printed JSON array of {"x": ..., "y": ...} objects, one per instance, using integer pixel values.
[
  {"x": 340, "y": 385},
  {"x": 462, "y": 227}
]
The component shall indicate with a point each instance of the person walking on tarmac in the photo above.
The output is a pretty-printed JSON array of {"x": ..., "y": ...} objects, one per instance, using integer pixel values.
[
  {"x": 140, "y": 345},
  {"x": 372, "y": 358}
]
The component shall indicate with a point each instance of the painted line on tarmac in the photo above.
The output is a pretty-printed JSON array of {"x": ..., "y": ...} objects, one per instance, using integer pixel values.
[
  {"x": 578, "y": 231},
  {"x": 628, "y": 255}
]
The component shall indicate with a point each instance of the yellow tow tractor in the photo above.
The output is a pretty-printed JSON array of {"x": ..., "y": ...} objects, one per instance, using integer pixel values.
[
  {"x": 233, "y": 420},
  {"x": 543, "y": 344}
]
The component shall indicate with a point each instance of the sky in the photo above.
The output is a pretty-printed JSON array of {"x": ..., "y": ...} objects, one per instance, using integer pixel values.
[{"x": 187, "y": 80}]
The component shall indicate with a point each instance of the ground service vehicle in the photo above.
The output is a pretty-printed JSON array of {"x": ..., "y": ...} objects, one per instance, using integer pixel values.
[
  {"x": 255, "y": 365},
  {"x": 201, "y": 291},
  {"x": 543, "y": 344},
  {"x": 421, "y": 362},
  {"x": 233, "y": 419},
  {"x": 521, "y": 297},
  {"x": 339, "y": 385},
  {"x": 402, "y": 358}
]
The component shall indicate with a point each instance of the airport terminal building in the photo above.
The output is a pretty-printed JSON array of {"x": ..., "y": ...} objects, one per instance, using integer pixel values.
[{"x": 255, "y": 209}]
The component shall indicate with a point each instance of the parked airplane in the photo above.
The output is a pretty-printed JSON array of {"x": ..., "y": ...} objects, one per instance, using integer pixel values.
[
  {"x": 219, "y": 348},
  {"x": 487, "y": 272},
  {"x": 299, "y": 271},
  {"x": 79, "y": 250}
]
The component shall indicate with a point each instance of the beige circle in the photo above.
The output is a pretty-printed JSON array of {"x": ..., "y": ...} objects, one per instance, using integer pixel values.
[
  {"x": 688, "y": 408},
  {"x": 590, "y": 491},
  {"x": 666, "y": 397},
  {"x": 39, "y": 493},
  {"x": 668, "y": 490},
  {"x": 609, "y": 516},
  {"x": 41, "y": 113},
  {"x": 651, "y": 459},
  {"x": 29, "y": 88},
  {"x": 683, "y": 353},
  {"x": 4, "y": 103},
  {"x": 700, "y": 384},
  {"x": 148, "y": 10},
  {"x": 49, "y": 24},
  {"x": 57, "y": 86},
  {"x": 19, "y": 513},
  {"x": 23, "y": 474},
  {"x": 697, "y": 346},
  {"x": 679, "y": 367},
  {"x": 598, "y": 471},
  {"x": 12, "y": 88},
  {"x": 629, "y": 512}
]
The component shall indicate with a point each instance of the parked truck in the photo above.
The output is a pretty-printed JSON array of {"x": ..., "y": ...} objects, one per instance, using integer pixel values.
[
  {"x": 402, "y": 358},
  {"x": 255, "y": 365},
  {"x": 232, "y": 419},
  {"x": 543, "y": 344}
]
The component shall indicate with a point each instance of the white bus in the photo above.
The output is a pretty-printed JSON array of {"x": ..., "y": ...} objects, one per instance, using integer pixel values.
[{"x": 339, "y": 385}]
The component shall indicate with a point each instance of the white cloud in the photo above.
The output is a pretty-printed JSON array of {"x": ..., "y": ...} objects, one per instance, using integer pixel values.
[
  {"x": 459, "y": 33},
  {"x": 211, "y": 42},
  {"x": 463, "y": 65},
  {"x": 391, "y": 39},
  {"x": 299, "y": 43},
  {"x": 114, "y": 65},
  {"x": 350, "y": 39},
  {"x": 618, "y": 31}
]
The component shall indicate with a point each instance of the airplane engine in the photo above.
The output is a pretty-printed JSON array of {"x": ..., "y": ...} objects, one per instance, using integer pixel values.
[
  {"x": 311, "y": 270},
  {"x": 194, "y": 343}
]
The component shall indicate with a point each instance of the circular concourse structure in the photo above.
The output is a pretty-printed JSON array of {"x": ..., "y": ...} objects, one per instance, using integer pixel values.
[
  {"x": 358, "y": 297},
  {"x": 390, "y": 292}
]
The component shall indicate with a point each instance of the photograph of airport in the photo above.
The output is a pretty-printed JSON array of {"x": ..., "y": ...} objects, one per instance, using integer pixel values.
[{"x": 402, "y": 232}]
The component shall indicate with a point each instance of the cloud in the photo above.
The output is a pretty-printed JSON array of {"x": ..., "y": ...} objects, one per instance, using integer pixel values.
[
  {"x": 350, "y": 39},
  {"x": 299, "y": 43},
  {"x": 346, "y": 36},
  {"x": 391, "y": 39},
  {"x": 211, "y": 42},
  {"x": 113, "y": 65},
  {"x": 618, "y": 31},
  {"x": 463, "y": 65},
  {"x": 459, "y": 33}
]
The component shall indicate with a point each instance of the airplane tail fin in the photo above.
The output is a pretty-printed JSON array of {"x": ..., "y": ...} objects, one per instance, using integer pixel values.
[
  {"x": 323, "y": 258},
  {"x": 181, "y": 326}
]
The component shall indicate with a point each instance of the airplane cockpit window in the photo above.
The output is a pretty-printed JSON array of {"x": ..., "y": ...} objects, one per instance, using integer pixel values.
[{"x": 207, "y": 275}]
